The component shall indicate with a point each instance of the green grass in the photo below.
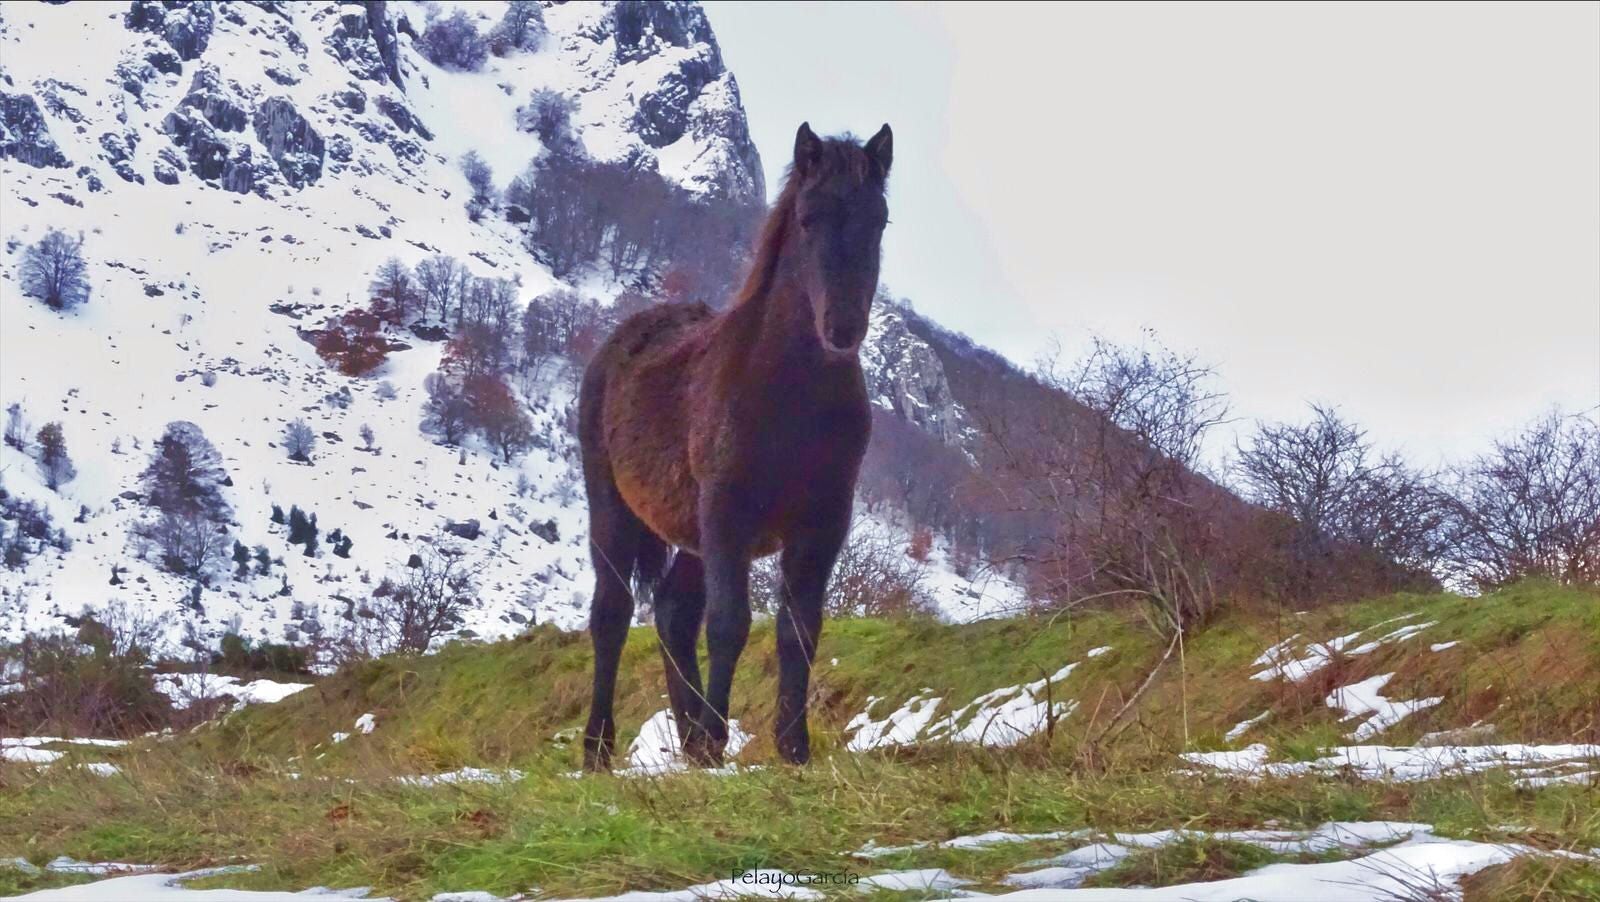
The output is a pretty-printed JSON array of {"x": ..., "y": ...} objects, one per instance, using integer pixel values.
[
  {"x": 599, "y": 835},
  {"x": 266, "y": 786},
  {"x": 15, "y": 881},
  {"x": 1188, "y": 860}
]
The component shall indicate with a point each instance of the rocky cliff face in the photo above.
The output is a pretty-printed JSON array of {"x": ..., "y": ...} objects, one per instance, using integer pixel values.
[
  {"x": 906, "y": 377},
  {"x": 239, "y": 170},
  {"x": 649, "y": 76}
]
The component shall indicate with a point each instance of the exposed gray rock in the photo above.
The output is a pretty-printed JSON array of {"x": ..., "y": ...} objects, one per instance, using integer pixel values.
[
  {"x": 904, "y": 376},
  {"x": 468, "y": 529},
  {"x": 24, "y": 135},
  {"x": 167, "y": 167},
  {"x": 290, "y": 140},
  {"x": 402, "y": 117},
  {"x": 364, "y": 40},
  {"x": 220, "y": 104},
  {"x": 548, "y": 530},
  {"x": 208, "y": 153},
  {"x": 186, "y": 26},
  {"x": 117, "y": 149}
]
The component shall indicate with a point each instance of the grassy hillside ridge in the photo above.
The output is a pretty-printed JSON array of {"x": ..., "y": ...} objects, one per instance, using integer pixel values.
[
  {"x": 1526, "y": 659},
  {"x": 268, "y": 785}
]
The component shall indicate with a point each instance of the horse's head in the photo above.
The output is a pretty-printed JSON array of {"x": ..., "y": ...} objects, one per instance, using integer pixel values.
[{"x": 840, "y": 212}]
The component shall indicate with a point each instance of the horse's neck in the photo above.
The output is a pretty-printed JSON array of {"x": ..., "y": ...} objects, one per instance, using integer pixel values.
[{"x": 776, "y": 324}]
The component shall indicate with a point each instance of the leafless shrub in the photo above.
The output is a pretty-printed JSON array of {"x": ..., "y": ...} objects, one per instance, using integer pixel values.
[
  {"x": 873, "y": 577},
  {"x": 96, "y": 683},
  {"x": 1110, "y": 463},
  {"x": 426, "y": 600},
  {"x": 1530, "y": 507},
  {"x": 1341, "y": 498}
]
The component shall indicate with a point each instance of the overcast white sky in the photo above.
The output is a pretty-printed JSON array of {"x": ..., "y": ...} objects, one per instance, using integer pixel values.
[{"x": 1391, "y": 208}]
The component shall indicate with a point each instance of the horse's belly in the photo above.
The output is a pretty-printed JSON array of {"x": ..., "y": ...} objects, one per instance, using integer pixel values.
[{"x": 664, "y": 497}]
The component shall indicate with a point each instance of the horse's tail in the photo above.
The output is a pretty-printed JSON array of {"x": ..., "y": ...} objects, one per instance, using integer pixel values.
[{"x": 649, "y": 568}]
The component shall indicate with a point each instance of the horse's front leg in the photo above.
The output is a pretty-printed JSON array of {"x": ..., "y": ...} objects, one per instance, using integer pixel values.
[
  {"x": 727, "y": 524},
  {"x": 806, "y": 565}
]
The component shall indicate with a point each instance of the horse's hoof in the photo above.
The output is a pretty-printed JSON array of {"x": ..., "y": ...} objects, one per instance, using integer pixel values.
[
  {"x": 701, "y": 751},
  {"x": 795, "y": 754},
  {"x": 596, "y": 758}
]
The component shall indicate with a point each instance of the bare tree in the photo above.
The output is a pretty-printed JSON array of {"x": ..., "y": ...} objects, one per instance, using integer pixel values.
[
  {"x": 445, "y": 413},
  {"x": 426, "y": 600},
  {"x": 187, "y": 540},
  {"x": 394, "y": 289},
  {"x": 436, "y": 278},
  {"x": 1325, "y": 476},
  {"x": 522, "y": 28},
  {"x": 54, "y": 462},
  {"x": 1530, "y": 507},
  {"x": 16, "y": 427},
  {"x": 299, "y": 440},
  {"x": 1108, "y": 459},
  {"x": 54, "y": 271}
]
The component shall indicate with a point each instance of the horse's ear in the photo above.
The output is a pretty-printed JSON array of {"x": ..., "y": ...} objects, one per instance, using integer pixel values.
[
  {"x": 807, "y": 148},
  {"x": 881, "y": 148}
]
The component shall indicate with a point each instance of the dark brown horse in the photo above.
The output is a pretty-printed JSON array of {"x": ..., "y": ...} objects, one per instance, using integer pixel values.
[{"x": 732, "y": 436}]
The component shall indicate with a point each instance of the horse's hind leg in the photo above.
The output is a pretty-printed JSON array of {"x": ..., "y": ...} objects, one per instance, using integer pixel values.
[
  {"x": 614, "y": 537},
  {"x": 680, "y": 605}
]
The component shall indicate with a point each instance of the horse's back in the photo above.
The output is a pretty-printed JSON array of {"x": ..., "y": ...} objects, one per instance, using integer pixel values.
[
  {"x": 633, "y": 412},
  {"x": 641, "y": 337}
]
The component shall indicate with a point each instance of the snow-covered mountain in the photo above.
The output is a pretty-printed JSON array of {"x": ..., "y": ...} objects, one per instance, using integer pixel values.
[{"x": 238, "y": 171}]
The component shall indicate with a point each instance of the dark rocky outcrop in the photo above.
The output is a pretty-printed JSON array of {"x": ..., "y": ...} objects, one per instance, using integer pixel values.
[
  {"x": 208, "y": 153},
  {"x": 218, "y": 104},
  {"x": 186, "y": 26},
  {"x": 167, "y": 167},
  {"x": 24, "y": 135},
  {"x": 468, "y": 529},
  {"x": 290, "y": 140},
  {"x": 642, "y": 25},
  {"x": 117, "y": 149},
  {"x": 402, "y": 117},
  {"x": 364, "y": 40}
]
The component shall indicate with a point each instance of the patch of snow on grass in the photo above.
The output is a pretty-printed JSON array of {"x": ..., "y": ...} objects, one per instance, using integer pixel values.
[
  {"x": 656, "y": 750},
  {"x": 1441, "y": 646},
  {"x": 1364, "y": 698},
  {"x": 1393, "y": 873},
  {"x": 464, "y": 775},
  {"x": 1397, "y": 764},
  {"x": 972, "y": 841},
  {"x": 1240, "y": 728},
  {"x": 1281, "y": 662},
  {"x": 170, "y": 888},
  {"x": 36, "y": 741},
  {"x": 187, "y": 688},
  {"x": 921, "y": 880},
  {"x": 25, "y": 755},
  {"x": 900, "y": 728}
]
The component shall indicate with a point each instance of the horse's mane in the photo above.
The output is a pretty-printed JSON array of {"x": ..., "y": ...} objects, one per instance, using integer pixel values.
[{"x": 839, "y": 156}]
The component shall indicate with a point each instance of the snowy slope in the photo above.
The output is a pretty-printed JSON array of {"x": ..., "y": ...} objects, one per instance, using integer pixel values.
[{"x": 198, "y": 291}]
